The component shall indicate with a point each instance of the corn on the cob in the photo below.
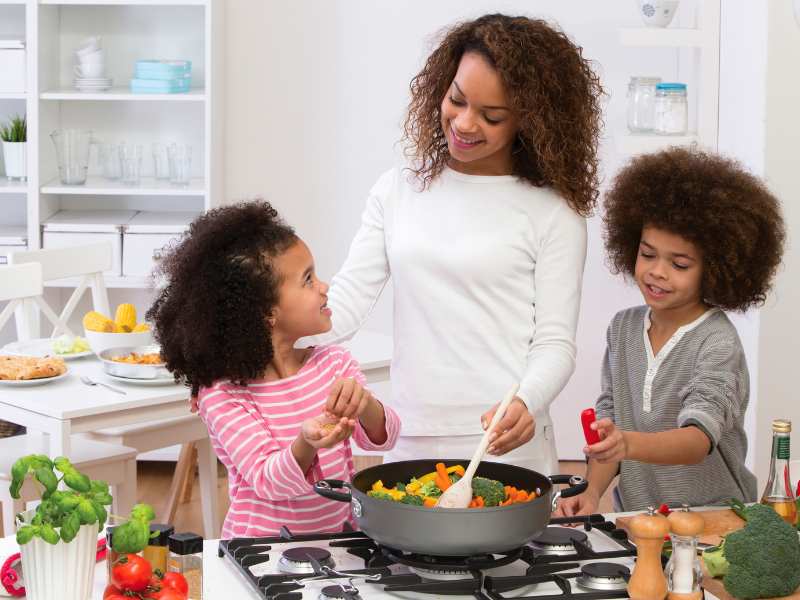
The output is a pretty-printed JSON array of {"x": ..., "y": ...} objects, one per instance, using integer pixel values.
[
  {"x": 94, "y": 321},
  {"x": 125, "y": 317},
  {"x": 141, "y": 327}
]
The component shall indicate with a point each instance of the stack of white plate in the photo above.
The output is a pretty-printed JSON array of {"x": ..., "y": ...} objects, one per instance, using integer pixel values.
[{"x": 93, "y": 84}]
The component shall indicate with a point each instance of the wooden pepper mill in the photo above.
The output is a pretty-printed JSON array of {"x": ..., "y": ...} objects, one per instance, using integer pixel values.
[
  {"x": 683, "y": 571},
  {"x": 647, "y": 581}
]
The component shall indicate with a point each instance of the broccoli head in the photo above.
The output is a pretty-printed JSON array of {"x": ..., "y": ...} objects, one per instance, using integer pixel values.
[
  {"x": 430, "y": 490},
  {"x": 492, "y": 491},
  {"x": 764, "y": 556},
  {"x": 378, "y": 495},
  {"x": 412, "y": 500}
]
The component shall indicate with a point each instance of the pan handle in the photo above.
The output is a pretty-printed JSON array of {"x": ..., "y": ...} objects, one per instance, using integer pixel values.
[
  {"x": 328, "y": 488},
  {"x": 577, "y": 485}
]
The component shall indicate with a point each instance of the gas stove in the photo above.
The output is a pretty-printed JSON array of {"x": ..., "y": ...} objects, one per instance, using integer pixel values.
[{"x": 582, "y": 557}]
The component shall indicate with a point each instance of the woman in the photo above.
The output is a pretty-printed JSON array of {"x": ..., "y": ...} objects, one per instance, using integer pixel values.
[{"x": 484, "y": 235}]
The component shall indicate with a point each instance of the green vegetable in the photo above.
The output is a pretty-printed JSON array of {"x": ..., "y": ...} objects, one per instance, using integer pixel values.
[
  {"x": 716, "y": 563},
  {"x": 430, "y": 490},
  {"x": 739, "y": 507},
  {"x": 764, "y": 556},
  {"x": 132, "y": 536},
  {"x": 492, "y": 491},
  {"x": 412, "y": 499},
  {"x": 61, "y": 512},
  {"x": 371, "y": 493}
]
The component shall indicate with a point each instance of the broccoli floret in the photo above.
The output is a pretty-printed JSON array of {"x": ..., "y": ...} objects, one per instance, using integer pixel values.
[
  {"x": 454, "y": 477},
  {"x": 430, "y": 490},
  {"x": 715, "y": 561},
  {"x": 400, "y": 487},
  {"x": 764, "y": 556},
  {"x": 380, "y": 495},
  {"x": 412, "y": 500},
  {"x": 493, "y": 492}
]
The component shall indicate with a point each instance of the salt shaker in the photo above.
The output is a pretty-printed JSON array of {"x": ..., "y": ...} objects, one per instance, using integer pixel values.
[
  {"x": 684, "y": 574},
  {"x": 647, "y": 581}
]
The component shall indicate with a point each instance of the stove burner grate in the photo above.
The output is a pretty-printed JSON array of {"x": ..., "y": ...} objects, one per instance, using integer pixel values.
[
  {"x": 301, "y": 560},
  {"x": 559, "y": 541},
  {"x": 603, "y": 576}
]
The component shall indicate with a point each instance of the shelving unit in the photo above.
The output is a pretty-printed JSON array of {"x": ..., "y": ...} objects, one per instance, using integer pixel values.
[
  {"x": 130, "y": 30},
  {"x": 704, "y": 41}
]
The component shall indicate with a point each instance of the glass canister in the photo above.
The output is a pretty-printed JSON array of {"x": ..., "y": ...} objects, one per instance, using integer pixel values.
[
  {"x": 642, "y": 103},
  {"x": 157, "y": 548},
  {"x": 186, "y": 558},
  {"x": 671, "y": 109}
]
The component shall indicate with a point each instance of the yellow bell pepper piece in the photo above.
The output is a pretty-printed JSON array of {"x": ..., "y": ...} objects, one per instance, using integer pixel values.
[{"x": 432, "y": 475}]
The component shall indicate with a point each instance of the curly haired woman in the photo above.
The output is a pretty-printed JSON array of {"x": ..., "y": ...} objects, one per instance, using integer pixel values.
[
  {"x": 484, "y": 236},
  {"x": 699, "y": 236}
]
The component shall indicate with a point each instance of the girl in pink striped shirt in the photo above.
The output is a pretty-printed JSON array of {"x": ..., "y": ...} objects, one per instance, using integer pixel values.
[{"x": 241, "y": 291}]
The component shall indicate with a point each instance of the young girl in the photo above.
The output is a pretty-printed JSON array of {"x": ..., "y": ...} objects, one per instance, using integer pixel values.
[
  {"x": 699, "y": 236},
  {"x": 484, "y": 238},
  {"x": 241, "y": 290}
]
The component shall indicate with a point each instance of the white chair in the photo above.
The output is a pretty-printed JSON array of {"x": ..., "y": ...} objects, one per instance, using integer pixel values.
[
  {"x": 90, "y": 261},
  {"x": 21, "y": 286}
]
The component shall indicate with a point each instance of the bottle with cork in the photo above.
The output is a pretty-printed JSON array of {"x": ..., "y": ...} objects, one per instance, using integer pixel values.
[
  {"x": 778, "y": 491},
  {"x": 186, "y": 558}
]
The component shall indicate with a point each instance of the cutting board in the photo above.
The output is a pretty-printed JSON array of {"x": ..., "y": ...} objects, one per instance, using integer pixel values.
[
  {"x": 716, "y": 587},
  {"x": 718, "y": 523}
]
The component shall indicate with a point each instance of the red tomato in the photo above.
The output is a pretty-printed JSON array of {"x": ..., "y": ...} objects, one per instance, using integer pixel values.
[
  {"x": 166, "y": 594},
  {"x": 112, "y": 592},
  {"x": 131, "y": 572},
  {"x": 175, "y": 581}
]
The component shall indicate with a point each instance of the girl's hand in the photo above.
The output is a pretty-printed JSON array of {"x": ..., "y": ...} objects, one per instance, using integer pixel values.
[
  {"x": 612, "y": 447},
  {"x": 322, "y": 432},
  {"x": 348, "y": 399},
  {"x": 515, "y": 428},
  {"x": 582, "y": 504},
  {"x": 195, "y": 404}
]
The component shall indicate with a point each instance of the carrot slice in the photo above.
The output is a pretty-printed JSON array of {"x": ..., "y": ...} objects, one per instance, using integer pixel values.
[
  {"x": 429, "y": 502},
  {"x": 442, "y": 477}
]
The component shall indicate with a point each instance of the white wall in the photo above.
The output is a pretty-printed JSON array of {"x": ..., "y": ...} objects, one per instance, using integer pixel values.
[{"x": 778, "y": 345}]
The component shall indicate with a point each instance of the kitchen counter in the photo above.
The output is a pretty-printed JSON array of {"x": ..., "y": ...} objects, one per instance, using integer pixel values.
[{"x": 222, "y": 581}]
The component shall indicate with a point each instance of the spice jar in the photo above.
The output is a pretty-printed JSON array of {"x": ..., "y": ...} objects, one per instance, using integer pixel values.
[
  {"x": 683, "y": 571},
  {"x": 157, "y": 548},
  {"x": 642, "y": 103},
  {"x": 671, "y": 109},
  {"x": 186, "y": 558}
]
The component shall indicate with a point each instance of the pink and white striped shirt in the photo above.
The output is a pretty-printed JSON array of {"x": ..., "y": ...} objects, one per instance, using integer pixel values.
[{"x": 252, "y": 428}]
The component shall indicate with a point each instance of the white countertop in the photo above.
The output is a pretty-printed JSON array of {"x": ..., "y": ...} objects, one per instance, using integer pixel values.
[{"x": 220, "y": 579}]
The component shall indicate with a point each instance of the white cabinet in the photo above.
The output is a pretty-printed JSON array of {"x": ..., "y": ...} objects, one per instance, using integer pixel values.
[
  {"x": 12, "y": 239},
  {"x": 130, "y": 30},
  {"x": 12, "y": 69},
  {"x": 146, "y": 238}
]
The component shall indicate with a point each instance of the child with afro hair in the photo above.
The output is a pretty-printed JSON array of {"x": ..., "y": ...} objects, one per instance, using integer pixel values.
[{"x": 699, "y": 236}]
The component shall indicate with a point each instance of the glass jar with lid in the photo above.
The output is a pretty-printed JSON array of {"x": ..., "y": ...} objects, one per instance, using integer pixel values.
[
  {"x": 642, "y": 104},
  {"x": 672, "y": 109}
]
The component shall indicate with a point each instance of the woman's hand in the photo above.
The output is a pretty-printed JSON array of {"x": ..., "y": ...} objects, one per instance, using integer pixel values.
[
  {"x": 348, "y": 399},
  {"x": 324, "y": 432},
  {"x": 582, "y": 504},
  {"x": 515, "y": 428},
  {"x": 612, "y": 447}
]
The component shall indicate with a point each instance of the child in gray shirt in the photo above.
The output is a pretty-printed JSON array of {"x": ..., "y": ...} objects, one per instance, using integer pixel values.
[{"x": 699, "y": 236}]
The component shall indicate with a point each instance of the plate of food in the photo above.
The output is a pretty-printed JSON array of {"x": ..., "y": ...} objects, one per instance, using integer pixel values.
[
  {"x": 136, "y": 381},
  {"x": 67, "y": 347},
  {"x": 30, "y": 370}
]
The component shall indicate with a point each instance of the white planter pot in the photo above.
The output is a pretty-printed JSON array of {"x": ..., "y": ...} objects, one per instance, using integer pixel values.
[
  {"x": 61, "y": 571},
  {"x": 15, "y": 158}
]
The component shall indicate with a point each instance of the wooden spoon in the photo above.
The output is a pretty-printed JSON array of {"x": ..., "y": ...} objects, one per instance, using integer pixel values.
[{"x": 459, "y": 495}]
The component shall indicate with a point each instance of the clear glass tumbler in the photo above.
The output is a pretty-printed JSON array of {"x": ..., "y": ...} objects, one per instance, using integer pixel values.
[
  {"x": 180, "y": 164},
  {"x": 131, "y": 157},
  {"x": 72, "y": 153}
]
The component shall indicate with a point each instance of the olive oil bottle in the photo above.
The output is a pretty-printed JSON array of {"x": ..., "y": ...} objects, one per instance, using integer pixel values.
[{"x": 778, "y": 491}]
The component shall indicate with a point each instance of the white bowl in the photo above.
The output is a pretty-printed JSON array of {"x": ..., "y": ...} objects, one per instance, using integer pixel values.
[
  {"x": 100, "y": 341},
  {"x": 658, "y": 13}
]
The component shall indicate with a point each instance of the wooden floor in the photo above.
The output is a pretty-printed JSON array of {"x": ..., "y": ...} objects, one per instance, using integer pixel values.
[{"x": 154, "y": 479}]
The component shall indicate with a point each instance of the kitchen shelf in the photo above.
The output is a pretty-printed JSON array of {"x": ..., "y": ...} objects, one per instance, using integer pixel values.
[
  {"x": 13, "y": 187},
  {"x": 99, "y": 186},
  {"x": 122, "y": 94},
  {"x": 122, "y": 2},
  {"x": 6, "y": 2},
  {"x": 13, "y": 95},
  {"x": 656, "y": 37},
  {"x": 111, "y": 281},
  {"x": 641, "y": 144}
]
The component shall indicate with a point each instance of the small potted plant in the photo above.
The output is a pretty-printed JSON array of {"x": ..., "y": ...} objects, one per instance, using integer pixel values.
[
  {"x": 58, "y": 539},
  {"x": 15, "y": 135}
]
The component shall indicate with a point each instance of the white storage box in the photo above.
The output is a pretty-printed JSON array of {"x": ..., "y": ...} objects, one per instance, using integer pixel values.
[
  {"x": 12, "y": 239},
  {"x": 12, "y": 66},
  {"x": 147, "y": 236},
  {"x": 77, "y": 227}
]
